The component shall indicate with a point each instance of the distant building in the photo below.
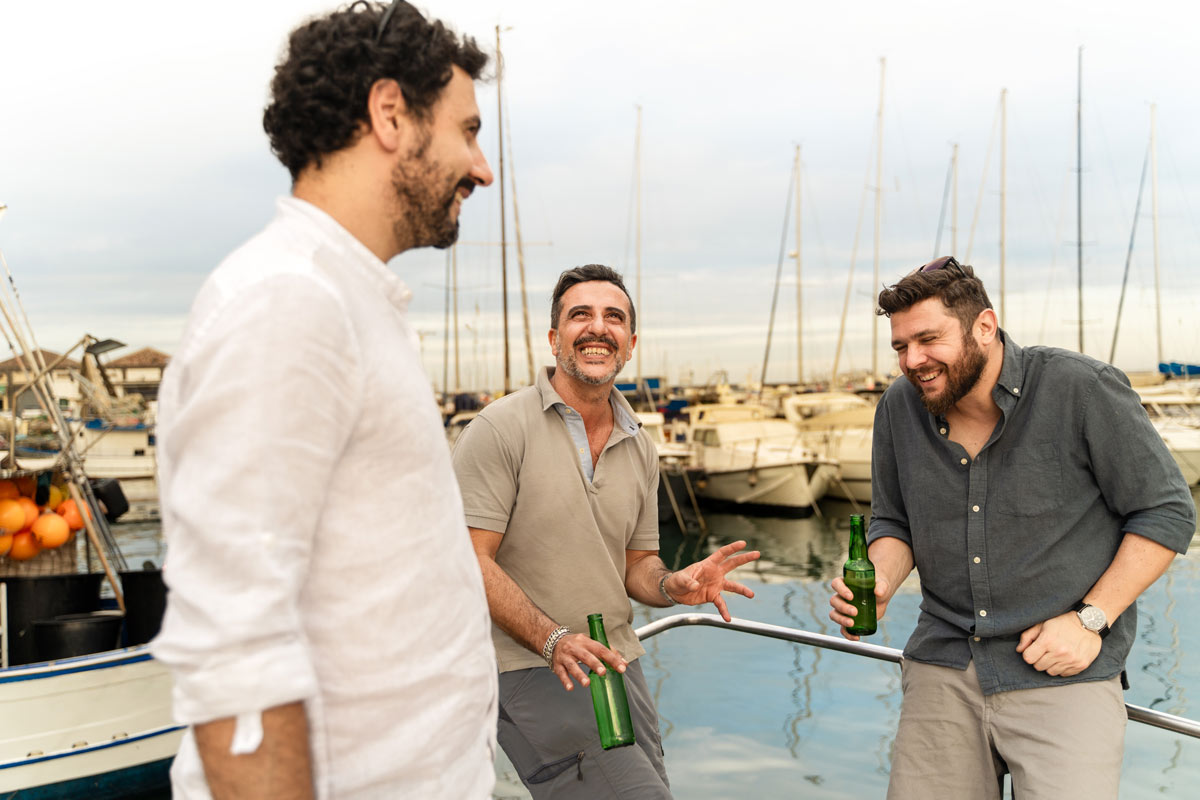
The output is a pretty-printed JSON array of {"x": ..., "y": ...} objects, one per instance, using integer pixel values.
[
  {"x": 140, "y": 372},
  {"x": 13, "y": 379}
]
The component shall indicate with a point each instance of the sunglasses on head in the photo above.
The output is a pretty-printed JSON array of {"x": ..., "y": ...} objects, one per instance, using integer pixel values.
[
  {"x": 387, "y": 17},
  {"x": 945, "y": 262}
]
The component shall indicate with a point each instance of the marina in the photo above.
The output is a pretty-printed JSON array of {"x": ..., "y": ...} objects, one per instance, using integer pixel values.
[{"x": 743, "y": 713}]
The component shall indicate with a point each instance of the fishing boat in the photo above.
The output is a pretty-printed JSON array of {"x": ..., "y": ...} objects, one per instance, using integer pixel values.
[
  {"x": 747, "y": 458},
  {"x": 85, "y": 711}
]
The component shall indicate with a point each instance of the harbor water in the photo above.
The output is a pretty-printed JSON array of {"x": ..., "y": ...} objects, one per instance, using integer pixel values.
[{"x": 743, "y": 714}]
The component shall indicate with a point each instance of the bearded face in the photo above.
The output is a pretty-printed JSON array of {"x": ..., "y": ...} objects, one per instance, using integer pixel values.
[
  {"x": 429, "y": 196},
  {"x": 961, "y": 376}
]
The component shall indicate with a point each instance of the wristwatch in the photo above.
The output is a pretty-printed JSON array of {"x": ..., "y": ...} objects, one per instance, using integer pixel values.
[{"x": 1092, "y": 618}]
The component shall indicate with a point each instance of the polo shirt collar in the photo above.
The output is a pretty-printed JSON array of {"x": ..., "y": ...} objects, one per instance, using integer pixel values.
[{"x": 624, "y": 416}]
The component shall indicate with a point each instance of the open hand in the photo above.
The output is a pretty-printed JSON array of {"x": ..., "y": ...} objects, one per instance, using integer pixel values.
[{"x": 704, "y": 581}]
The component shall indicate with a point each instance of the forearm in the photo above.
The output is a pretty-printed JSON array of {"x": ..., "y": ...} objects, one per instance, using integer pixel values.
[
  {"x": 893, "y": 560},
  {"x": 512, "y": 610},
  {"x": 1139, "y": 562},
  {"x": 643, "y": 579},
  {"x": 281, "y": 766}
]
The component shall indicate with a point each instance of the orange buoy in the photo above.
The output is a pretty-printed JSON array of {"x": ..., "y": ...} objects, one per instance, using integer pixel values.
[
  {"x": 70, "y": 512},
  {"x": 31, "y": 510},
  {"x": 51, "y": 530},
  {"x": 24, "y": 546},
  {"x": 12, "y": 516}
]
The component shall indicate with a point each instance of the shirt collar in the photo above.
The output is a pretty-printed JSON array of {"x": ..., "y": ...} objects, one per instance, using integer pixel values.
[
  {"x": 1012, "y": 373},
  {"x": 343, "y": 249},
  {"x": 623, "y": 413}
]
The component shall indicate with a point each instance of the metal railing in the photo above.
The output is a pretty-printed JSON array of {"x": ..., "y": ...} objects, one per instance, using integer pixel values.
[{"x": 1141, "y": 714}]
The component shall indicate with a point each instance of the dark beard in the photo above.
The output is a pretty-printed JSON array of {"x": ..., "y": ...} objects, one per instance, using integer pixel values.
[
  {"x": 426, "y": 220},
  {"x": 961, "y": 377}
]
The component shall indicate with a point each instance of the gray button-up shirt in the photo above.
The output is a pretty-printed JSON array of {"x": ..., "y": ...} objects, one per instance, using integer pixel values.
[{"x": 1020, "y": 533}]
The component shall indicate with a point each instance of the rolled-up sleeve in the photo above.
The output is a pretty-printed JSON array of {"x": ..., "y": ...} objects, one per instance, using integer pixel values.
[
  {"x": 1136, "y": 473},
  {"x": 260, "y": 404}
]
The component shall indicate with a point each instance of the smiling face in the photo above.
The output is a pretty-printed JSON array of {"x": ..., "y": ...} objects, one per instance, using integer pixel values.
[
  {"x": 441, "y": 168},
  {"x": 593, "y": 339},
  {"x": 942, "y": 360}
]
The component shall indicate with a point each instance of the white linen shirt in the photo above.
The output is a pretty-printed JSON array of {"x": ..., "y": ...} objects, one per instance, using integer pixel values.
[{"x": 317, "y": 548}]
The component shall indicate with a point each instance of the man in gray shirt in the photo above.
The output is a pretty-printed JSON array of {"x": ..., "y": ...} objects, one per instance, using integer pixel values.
[{"x": 1037, "y": 501}]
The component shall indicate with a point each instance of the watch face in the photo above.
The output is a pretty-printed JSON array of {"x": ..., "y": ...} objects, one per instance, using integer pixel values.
[{"x": 1092, "y": 618}]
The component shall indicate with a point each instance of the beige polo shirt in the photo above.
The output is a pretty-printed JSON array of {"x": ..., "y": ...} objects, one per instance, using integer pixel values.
[{"x": 565, "y": 537}]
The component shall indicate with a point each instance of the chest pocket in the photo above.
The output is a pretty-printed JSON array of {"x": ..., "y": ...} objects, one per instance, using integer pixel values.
[{"x": 1030, "y": 481}]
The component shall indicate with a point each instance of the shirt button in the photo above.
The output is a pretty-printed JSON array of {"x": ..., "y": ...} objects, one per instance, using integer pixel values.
[
  {"x": 1016, "y": 390},
  {"x": 973, "y": 508},
  {"x": 976, "y": 559},
  {"x": 942, "y": 431},
  {"x": 962, "y": 461},
  {"x": 581, "y": 450},
  {"x": 983, "y": 612},
  {"x": 976, "y": 638}
]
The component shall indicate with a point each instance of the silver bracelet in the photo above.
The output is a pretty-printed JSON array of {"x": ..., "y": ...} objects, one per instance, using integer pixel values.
[
  {"x": 662, "y": 589},
  {"x": 552, "y": 641}
]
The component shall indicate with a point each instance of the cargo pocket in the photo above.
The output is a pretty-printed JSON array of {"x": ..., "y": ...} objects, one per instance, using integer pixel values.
[
  {"x": 548, "y": 772},
  {"x": 1030, "y": 481}
]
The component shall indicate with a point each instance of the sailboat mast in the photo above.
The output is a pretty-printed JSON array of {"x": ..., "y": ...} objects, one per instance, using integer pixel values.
[
  {"x": 454, "y": 281},
  {"x": 954, "y": 203},
  {"x": 878, "y": 221},
  {"x": 637, "y": 162},
  {"x": 799, "y": 283},
  {"x": 1003, "y": 192},
  {"x": 1079, "y": 194},
  {"x": 1154, "y": 216},
  {"x": 503, "y": 232},
  {"x": 520, "y": 258}
]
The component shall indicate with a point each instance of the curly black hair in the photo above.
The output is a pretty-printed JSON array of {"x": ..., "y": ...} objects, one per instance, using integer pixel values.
[{"x": 320, "y": 89}]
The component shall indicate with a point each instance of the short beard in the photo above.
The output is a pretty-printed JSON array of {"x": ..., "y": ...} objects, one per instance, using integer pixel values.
[
  {"x": 425, "y": 220},
  {"x": 961, "y": 378},
  {"x": 570, "y": 365}
]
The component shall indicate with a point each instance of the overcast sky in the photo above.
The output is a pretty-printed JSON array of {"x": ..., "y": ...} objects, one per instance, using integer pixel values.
[{"x": 132, "y": 159}]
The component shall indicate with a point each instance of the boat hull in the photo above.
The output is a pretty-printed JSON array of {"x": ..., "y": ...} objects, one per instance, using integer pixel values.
[
  {"x": 793, "y": 488},
  {"x": 80, "y": 727}
]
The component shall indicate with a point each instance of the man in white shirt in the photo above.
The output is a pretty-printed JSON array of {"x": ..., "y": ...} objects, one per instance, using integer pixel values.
[{"x": 327, "y": 628}]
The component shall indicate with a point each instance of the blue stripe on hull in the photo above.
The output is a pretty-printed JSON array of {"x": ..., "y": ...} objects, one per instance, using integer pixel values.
[{"x": 107, "y": 786}]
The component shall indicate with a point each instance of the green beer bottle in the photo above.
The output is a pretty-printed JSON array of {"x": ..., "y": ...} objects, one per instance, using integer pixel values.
[
  {"x": 608, "y": 696},
  {"x": 859, "y": 575}
]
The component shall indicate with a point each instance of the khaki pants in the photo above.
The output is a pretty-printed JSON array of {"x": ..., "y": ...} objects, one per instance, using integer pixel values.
[{"x": 955, "y": 743}]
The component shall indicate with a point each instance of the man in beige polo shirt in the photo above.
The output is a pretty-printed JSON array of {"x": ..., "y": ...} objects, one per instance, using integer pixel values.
[{"x": 560, "y": 488}]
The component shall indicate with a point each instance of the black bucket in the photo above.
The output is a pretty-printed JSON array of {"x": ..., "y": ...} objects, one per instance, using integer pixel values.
[
  {"x": 77, "y": 635},
  {"x": 145, "y": 602},
  {"x": 38, "y": 597}
]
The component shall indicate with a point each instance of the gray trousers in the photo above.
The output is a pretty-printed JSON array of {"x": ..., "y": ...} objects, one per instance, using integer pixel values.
[{"x": 550, "y": 736}]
